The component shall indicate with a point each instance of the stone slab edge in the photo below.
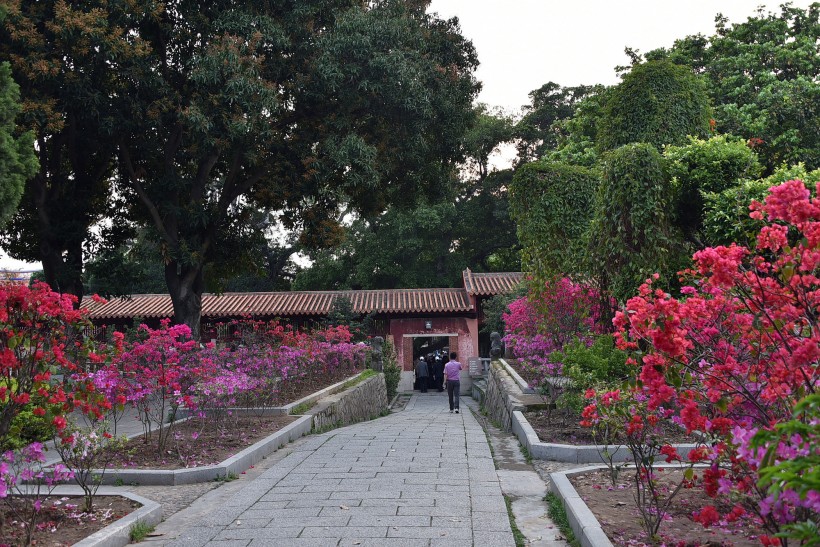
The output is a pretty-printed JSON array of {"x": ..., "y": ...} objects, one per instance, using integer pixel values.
[
  {"x": 522, "y": 384},
  {"x": 310, "y": 399},
  {"x": 567, "y": 452},
  {"x": 236, "y": 464},
  {"x": 584, "y": 525},
  {"x": 118, "y": 534}
]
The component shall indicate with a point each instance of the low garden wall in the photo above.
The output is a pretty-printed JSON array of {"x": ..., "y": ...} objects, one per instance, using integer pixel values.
[
  {"x": 364, "y": 401},
  {"x": 504, "y": 396}
]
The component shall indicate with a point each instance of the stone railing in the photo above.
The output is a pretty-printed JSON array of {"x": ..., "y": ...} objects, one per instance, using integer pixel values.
[{"x": 364, "y": 401}]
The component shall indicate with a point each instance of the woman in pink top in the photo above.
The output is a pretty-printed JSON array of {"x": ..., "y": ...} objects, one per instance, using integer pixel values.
[{"x": 452, "y": 372}]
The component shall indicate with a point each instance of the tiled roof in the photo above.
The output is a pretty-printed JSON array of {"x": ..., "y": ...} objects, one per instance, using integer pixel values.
[
  {"x": 285, "y": 304},
  {"x": 488, "y": 284},
  {"x": 288, "y": 303}
]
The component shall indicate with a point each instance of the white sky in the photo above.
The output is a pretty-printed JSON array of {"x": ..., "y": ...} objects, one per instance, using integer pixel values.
[{"x": 523, "y": 44}]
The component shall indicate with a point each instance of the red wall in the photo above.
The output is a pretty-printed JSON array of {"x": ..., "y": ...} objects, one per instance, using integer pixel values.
[{"x": 465, "y": 328}]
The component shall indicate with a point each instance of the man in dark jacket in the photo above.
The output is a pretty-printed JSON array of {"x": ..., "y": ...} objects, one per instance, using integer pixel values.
[{"x": 422, "y": 373}]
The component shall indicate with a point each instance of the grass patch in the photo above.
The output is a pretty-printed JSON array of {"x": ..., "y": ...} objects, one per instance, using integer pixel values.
[
  {"x": 226, "y": 478},
  {"x": 520, "y": 540},
  {"x": 525, "y": 453},
  {"x": 556, "y": 511},
  {"x": 367, "y": 373},
  {"x": 139, "y": 531},
  {"x": 302, "y": 408}
]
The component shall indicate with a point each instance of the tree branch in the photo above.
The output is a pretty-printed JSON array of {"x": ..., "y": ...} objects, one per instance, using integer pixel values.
[{"x": 143, "y": 195}]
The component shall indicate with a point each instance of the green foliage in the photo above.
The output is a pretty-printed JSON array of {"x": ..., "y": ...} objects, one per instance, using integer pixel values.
[
  {"x": 556, "y": 511},
  {"x": 762, "y": 79},
  {"x": 576, "y": 135},
  {"x": 657, "y": 102},
  {"x": 706, "y": 166},
  {"x": 493, "y": 309},
  {"x": 139, "y": 531},
  {"x": 632, "y": 235},
  {"x": 64, "y": 56},
  {"x": 549, "y": 105},
  {"x": 799, "y": 470},
  {"x": 552, "y": 204},
  {"x": 600, "y": 364},
  {"x": 26, "y": 428},
  {"x": 364, "y": 375},
  {"x": 302, "y": 408},
  {"x": 392, "y": 371},
  {"x": 17, "y": 158},
  {"x": 341, "y": 313},
  {"x": 726, "y": 215}
]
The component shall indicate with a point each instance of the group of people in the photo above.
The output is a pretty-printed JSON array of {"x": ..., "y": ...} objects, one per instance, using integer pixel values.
[{"x": 431, "y": 372}]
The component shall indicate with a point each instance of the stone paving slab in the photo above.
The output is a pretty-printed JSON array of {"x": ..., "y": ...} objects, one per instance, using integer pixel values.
[{"x": 421, "y": 477}]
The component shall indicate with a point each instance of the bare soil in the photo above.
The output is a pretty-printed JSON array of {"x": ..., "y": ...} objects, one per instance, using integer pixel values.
[
  {"x": 615, "y": 509},
  {"x": 59, "y": 522},
  {"x": 198, "y": 442}
]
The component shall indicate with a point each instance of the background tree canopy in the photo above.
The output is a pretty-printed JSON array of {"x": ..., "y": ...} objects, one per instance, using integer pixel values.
[{"x": 17, "y": 159}]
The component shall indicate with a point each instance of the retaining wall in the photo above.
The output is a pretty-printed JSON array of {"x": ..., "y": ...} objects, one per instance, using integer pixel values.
[
  {"x": 503, "y": 397},
  {"x": 365, "y": 401}
]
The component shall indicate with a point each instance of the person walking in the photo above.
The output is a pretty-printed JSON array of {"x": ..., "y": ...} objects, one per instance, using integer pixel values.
[
  {"x": 422, "y": 372},
  {"x": 452, "y": 371}
]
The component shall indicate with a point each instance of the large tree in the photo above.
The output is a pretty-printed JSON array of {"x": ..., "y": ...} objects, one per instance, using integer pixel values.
[
  {"x": 431, "y": 244},
  {"x": 307, "y": 107},
  {"x": 17, "y": 159},
  {"x": 66, "y": 57},
  {"x": 657, "y": 102},
  {"x": 762, "y": 78}
]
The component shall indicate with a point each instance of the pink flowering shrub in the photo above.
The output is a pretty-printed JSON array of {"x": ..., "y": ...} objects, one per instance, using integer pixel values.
[
  {"x": 548, "y": 319},
  {"x": 25, "y": 472},
  {"x": 735, "y": 354}
]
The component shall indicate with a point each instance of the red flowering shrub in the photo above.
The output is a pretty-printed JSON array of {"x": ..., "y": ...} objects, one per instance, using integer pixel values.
[{"x": 736, "y": 353}]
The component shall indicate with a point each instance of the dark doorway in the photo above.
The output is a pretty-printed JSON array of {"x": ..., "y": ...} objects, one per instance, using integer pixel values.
[{"x": 434, "y": 350}]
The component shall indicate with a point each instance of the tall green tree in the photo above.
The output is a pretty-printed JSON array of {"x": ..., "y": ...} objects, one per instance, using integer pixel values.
[
  {"x": 536, "y": 132},
  {"x": 762, "y": 78},
  {"x": 66, "y": 57},
  {"x": 657, "y": 102},
  {"x": 552, "y": 204},
  {"x": 632, "y": 235},
  {"x": 17, "y": 159},
  {"x": 307, "y": 108}
]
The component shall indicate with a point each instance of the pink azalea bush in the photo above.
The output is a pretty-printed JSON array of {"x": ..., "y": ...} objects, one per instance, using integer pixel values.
[
  {"x": 735, "y": 354},
  {"x": 546, "y": 320}
]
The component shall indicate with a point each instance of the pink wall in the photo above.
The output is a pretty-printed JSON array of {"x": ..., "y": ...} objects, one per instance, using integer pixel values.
[{"x": 465, "y": 328}]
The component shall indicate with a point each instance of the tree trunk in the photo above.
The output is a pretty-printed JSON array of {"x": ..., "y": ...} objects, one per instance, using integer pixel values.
[{"x": 185, "y": 285}]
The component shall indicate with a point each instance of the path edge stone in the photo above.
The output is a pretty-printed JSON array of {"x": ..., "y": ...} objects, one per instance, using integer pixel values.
[
  {"x": 569, "y": 453},
  {"x": 118, "y": 534},
  {"x": 584, "y": 525}
]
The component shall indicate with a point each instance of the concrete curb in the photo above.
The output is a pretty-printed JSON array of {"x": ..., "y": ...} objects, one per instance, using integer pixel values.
[
  {"x": 522, "y": 384},
  {"x": 566, "y": 452},
  {"x": 116, "y": 534},
  {"x": 584, "y": 525},
  {"x": 310, "y": 399},
  {"x": 235, "y": 465}
]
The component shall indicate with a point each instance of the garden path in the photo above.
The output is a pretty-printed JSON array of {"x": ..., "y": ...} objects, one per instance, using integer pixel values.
[{"x": 422, "y": 476}]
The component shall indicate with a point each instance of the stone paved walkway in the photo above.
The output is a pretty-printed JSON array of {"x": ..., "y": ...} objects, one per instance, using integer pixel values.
[{"x": 418, "y": 477}]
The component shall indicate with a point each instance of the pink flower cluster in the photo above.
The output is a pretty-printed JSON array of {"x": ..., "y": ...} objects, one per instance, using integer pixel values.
[{"x": 548, "y": 319}]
